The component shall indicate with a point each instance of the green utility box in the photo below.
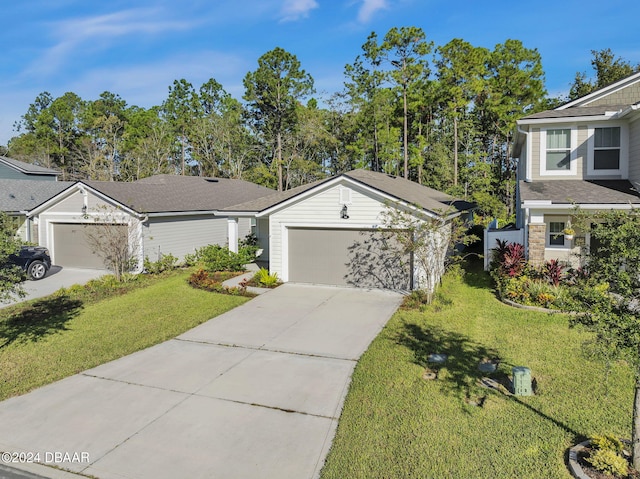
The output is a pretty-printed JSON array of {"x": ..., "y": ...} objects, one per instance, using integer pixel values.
[{"x": 522, "y": 381}]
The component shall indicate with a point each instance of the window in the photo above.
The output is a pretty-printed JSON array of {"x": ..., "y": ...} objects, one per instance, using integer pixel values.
[
  {"x": 558, "y": 150},
  {"x": 606, "y": 148},
  {"x": 556, "y": 233}
]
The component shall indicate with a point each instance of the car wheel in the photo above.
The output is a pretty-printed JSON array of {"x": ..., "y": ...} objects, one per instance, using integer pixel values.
[{"x": 37, "y": 270}]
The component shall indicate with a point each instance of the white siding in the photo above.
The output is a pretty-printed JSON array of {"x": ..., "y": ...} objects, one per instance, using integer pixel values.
[
  {"x": 318, "y": 210},
  {"x": 69, "y": 210},
  {"x": 181, "y": 235}
]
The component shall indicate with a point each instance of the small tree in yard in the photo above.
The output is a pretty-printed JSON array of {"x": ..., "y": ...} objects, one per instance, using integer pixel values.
[
  {"x": 10, "y": 275},
  {"x": 434, "y": 242},
  {"x": 610, "y": 305},
  {"x": 111, "y": 238}
]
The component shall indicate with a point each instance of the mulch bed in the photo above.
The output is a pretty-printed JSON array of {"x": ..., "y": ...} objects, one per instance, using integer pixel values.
[{"x": 594, "y": 474}]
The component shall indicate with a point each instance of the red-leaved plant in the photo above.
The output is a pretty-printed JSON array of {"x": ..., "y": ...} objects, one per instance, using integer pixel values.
[
  {"x": 510, "y": 258},
  {"x": 553, "y": 271}
]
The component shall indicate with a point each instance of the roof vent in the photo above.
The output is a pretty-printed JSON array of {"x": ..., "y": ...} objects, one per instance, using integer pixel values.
[
  {"x": 12, "y": 196},
  {"x": 211, "y": 180}
]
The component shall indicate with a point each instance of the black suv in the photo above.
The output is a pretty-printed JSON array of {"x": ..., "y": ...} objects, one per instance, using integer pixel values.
[{"x": 34, "y": 260}]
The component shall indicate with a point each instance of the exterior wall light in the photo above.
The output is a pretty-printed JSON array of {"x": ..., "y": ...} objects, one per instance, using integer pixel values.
[{"x": 344, "y": 213}]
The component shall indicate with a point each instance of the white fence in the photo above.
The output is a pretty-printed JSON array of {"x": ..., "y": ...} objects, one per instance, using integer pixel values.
[{"x": 490, "y": 237}]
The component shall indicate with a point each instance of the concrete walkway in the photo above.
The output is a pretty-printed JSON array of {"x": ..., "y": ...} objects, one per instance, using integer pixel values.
[{"x": 254, "y": 393}]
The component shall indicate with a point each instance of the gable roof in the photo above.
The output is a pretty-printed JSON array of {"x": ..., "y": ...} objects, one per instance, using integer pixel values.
[
  {"x": 28, "y": 168},
  {"x": 581, "y": 192},
  {"x": 172, "y": 193},
  {"x": 602, "y": 92},
  {"x": 592, "y": 105},
  {"x": 23, "y": 195},
  {"x": 578, "y": 111},
  {"x": 397, "y": 188}
]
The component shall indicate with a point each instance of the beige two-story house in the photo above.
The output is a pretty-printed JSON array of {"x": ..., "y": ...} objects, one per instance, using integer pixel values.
[{"x": 585, "y": 153}]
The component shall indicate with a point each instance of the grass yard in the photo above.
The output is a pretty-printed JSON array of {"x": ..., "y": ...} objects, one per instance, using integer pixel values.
[
  {"x": 397, "y": 425},
  {"x": 60, "y": 335}
]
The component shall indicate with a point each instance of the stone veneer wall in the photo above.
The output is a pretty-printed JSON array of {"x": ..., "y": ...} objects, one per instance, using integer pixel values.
[{"x": 537, "y": 243}]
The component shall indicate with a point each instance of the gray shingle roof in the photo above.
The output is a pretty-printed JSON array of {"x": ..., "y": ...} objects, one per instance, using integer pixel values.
[
  {"x": 24, "y": 195},
  {"x": 398, "y": 188},
  {"x": 28, "y": 168},
  {"x": 172, "y": 193},
  {"x": 580, "y": 192},
  {"x": 575, "y": 112}
]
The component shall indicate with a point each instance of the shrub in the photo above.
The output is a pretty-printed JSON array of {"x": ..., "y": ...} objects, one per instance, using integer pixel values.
[
  {"x": 607, "y": 441},
  {"x": 264, "y": 278},
  {"x": 201, "y": 279},
  {"x": 167, "y": 262},
  {"x": 609, "y": 462},
  {"x": 218, "y": 258}
]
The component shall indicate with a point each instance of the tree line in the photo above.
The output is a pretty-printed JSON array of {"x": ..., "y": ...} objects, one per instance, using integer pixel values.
[{"x": 442, "y": 116}]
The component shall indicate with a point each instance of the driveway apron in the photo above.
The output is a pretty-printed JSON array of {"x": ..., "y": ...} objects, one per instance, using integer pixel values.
[{"x": 254, "y": 393}]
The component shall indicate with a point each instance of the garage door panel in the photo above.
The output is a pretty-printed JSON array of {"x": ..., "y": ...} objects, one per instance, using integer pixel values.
[
  {"x": 359, "y": 258},
  {"x": 71, "y": 249}
]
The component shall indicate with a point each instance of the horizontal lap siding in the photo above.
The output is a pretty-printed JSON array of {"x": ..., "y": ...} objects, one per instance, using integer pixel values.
[
  {"x": 181, "y": 235},
  {"x": 74, "y": 202}
]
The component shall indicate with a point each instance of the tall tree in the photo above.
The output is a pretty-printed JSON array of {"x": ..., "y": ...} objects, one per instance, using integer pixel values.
[
  {"x": 405, "y": 49},
  {"x": 103, "y": 124},
  {"x": 148, "y": 145},
  {"x": 363, "y": 89},
  {"x": 461, "y": 77},
  {"x": 514, "y": 87},
  {"x": 181, "y": 108},
  {"x": 608, "y": 69},
  {"x": 272, "y": 93}
]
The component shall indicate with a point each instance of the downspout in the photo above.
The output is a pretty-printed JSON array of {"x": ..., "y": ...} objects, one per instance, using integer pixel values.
[
  {"x": 527, "y": 176},
  {"x": 141, "y": 222}
]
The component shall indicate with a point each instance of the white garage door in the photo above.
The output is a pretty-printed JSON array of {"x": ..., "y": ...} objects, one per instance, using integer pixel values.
[
  {"x": 71, "y": 249},
  {"x": 347, "y": 257}
]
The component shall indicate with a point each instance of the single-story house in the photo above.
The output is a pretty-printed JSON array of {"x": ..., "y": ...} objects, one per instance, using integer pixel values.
[
  {"x": 335, "y": 231},
  {"x": 11, "y": 169},
  {"x": 163, "y": 214},
  {"x": 18, "y": 197},
  {"x": 23, "y": 186}
]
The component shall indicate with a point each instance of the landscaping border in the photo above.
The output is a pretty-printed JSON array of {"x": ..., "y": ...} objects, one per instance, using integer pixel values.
[
  {"x": 532, "y": 308},
  {"x": 574, "y": 465}
]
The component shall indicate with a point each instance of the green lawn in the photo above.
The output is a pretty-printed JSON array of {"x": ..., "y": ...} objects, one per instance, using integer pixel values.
[
  {"x": 397, "y": 425},
  {"x": 60, "y": 335}
]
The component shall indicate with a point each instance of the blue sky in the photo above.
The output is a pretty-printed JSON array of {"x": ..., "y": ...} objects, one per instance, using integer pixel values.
[{"x": 136, "y": 48}]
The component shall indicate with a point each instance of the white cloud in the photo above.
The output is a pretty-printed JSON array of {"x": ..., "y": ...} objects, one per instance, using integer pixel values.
[
  {"x": 295, "y": 9},
  {"x": 99, "y": 32},
  {"x": 369, "y": 8}
]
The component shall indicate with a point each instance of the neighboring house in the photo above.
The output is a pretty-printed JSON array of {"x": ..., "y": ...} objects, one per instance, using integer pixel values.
[
  {"x": 17, "y": 197},
  {"x": 24, "y": 186},
  {"x": 11, "y": 169},
  {"x": 333, "y": 231},
  {"x": 585, "y": 153},
  {"x": 164, "y": 214}
]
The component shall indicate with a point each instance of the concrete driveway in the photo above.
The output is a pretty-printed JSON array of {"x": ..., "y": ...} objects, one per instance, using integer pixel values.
[
  {"x": 254, "y": 393},
  {"x": 57, "y": 277}
]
